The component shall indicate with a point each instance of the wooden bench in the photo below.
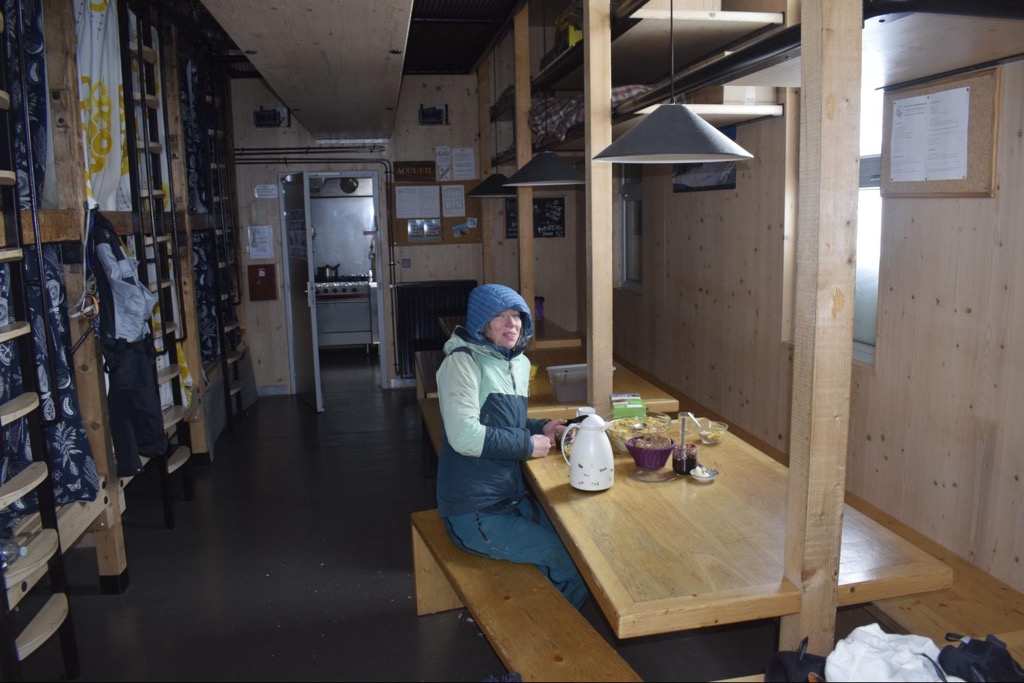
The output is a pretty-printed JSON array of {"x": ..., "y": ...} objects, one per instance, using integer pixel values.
[
  {"x": 430, "y": 413},
  {"x": 976, "y": 604},
  {"x": 533, "y": 629}
]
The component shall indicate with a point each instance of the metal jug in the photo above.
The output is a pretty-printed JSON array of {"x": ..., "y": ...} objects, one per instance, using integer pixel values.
[{"x": 591, "y": 463}]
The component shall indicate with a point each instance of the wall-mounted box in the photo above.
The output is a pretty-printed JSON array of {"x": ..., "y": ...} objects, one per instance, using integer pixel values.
[{"x": 262, "y": 282}]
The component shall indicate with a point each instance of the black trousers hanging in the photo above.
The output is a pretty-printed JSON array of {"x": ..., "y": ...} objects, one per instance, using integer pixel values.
[{"x": 136, "y": 420}]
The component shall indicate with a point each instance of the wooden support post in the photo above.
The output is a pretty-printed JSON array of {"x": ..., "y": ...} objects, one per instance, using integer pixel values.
[
  {"x": 524, "y": 152},
  {"x": 597, "y": 102},
  {"x": 69, "y": 158},
  {"x": 64, "y": 112},
  {"x": 826, "y": 251},
  {"x": 483, "y": 87}
]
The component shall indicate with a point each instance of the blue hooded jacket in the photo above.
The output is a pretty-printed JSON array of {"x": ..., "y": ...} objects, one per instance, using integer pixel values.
[{"x": 483, "y": 390}]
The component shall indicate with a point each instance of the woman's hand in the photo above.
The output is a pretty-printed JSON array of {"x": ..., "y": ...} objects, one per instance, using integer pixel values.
[
  {"x": 541, "y": 446},
  {"x": 553, "y": 429}
]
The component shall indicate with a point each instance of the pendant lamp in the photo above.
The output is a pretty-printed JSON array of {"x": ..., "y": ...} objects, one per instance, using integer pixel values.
[
  {"x": 672, "y": 133},
  {"x": 547, "y": 168},
  {"x": 492, "y": 186}
]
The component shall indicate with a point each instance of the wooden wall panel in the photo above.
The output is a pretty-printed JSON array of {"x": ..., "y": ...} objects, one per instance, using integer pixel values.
[
  {"x": 413, "y": 142},
  {"x": 711, "y": 305},
  {"x": 934, "y": 431}
]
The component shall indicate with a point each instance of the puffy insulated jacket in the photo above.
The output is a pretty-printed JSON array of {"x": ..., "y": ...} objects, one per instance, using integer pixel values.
[{"x": 483, "y": 391}]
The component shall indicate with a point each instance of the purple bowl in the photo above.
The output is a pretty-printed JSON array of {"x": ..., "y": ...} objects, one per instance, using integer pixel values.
[{"x": 649, "y": 458}]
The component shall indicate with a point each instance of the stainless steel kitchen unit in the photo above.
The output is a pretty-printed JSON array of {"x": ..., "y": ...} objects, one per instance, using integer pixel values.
[{"x": 343, "y": 312}]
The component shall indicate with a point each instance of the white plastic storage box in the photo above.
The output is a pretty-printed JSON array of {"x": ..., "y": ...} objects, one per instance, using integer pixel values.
[{"x": 569, "y": 382}]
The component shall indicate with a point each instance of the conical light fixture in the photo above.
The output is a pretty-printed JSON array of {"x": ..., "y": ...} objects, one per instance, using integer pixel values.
[
  {"x": 492, "y": 186},
  {"x": 672, "y": 134},
  {"x": 547, "y": 168}
]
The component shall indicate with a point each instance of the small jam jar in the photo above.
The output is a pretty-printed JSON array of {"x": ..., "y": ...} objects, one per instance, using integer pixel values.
[{"x": 684, "y": 458}]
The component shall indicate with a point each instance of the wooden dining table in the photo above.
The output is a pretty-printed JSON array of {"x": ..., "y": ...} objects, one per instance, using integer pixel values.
[{"x": 680, "y": 554}]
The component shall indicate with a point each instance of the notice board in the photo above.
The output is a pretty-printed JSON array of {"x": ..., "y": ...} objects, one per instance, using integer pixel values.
[
  {"x": 965, "y": 132},
  {"x": 426, "y": 213},
  {"x": 548, "y": 217}
]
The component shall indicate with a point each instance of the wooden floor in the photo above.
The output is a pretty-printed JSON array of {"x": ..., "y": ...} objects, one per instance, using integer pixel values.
[{"x": 294, "y": 562}]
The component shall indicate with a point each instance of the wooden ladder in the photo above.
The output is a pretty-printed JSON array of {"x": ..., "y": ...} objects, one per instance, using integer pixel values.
[
  {"x": 232, "y": 347},
  {"x": 156, "y": 234},
  {"x": 43, "y": 554}
]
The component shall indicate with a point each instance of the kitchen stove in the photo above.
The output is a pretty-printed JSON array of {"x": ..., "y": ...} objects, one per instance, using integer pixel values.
[
  {"x": 344, "y": 310},
  {"x": 343, "y": 287}
]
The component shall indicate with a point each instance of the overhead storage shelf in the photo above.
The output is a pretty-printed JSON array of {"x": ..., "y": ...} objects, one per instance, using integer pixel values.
[{"x": 640, "y": 50}]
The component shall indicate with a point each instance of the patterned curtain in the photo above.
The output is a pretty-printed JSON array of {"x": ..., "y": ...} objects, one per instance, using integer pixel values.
[
  {"x": 197, "y": 163},
  {"x": 204, "y": 261},
  {"x": 102, "y": 101},
  {"x": 74, "y": 472},
  {"x": 35, "y": 96}
]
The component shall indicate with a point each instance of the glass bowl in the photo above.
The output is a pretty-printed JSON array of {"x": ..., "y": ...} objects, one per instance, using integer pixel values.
[
  {"x": 623, "y": 429},
  {"x": 713, "y": 433}
]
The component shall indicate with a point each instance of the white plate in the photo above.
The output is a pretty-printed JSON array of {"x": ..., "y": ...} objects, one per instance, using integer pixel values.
[{"x": 711, "y": 474}]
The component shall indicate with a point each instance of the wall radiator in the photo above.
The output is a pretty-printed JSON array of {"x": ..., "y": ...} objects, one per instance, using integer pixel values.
[{"x": 418, "y": 305}]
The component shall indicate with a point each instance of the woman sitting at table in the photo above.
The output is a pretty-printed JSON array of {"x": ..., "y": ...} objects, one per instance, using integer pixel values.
[{"x": 483, "y": 385}]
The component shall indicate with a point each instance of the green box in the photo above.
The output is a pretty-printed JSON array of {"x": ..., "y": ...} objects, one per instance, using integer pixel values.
[{"x": 628, "y": 405}]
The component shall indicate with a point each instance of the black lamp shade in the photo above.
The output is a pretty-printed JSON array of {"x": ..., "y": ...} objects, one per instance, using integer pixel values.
[
  {"x": 547, "y": 168},
  {"x": 492, "y": 186},
  {"x": 672, "y": 134}
]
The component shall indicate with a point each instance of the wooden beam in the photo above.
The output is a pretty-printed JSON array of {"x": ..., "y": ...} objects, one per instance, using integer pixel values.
[
  {"x": 68, "y": 224},
  {"x": 597, "y": 88},
  {"x": 826, "y": 259},
  {"x": 483, "y": 91},
  {"x": 524, "y": 152},
  {"x": 64, "y": 112}
]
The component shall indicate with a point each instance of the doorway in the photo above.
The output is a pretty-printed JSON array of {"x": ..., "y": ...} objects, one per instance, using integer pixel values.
[{"x": 332, "y": 268}]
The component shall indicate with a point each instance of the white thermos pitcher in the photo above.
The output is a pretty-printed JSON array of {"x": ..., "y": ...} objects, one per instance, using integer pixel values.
[{"x": 591, "y": 465}]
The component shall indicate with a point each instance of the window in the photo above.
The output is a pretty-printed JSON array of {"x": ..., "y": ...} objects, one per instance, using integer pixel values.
[
  {"x": 869, "y": 227},
  {"x": 632, "y": 194}
]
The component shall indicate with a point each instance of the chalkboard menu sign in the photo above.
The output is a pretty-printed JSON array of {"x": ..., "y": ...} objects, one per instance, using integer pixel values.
[{"x": 548, "y": 217}]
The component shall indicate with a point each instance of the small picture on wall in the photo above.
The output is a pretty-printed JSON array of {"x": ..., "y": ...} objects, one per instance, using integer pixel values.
[
  {"x": 424, "y": 230},
  {"x": 719, "y": 175}
]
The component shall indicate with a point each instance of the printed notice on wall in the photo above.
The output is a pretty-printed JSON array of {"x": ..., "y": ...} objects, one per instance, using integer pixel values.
[
  {"x": 454, "y": 201},
  {"x": 929, "y": 136},
  {"x": 261, "y": 242},
  {"x": 463, "y": 163},
  {"x": 265, "y": 191},
  {"x": 443, "y": 162},
  {"x": 419, "y": 201}
]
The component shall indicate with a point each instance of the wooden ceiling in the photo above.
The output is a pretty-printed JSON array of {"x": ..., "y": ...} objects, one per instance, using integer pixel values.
[{"x": 336, "y": 65}]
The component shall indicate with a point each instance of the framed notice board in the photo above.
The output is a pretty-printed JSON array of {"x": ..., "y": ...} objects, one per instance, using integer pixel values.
[
  {"x": 427, "y": 213},
  {"x": 548, "y": 217},
  {"x": 939, "y": 138}
]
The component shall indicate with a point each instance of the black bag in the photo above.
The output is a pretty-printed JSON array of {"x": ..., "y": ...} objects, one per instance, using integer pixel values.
[
  {"x": 979, "y": 660},
  {"x": 795, "y": 666}
]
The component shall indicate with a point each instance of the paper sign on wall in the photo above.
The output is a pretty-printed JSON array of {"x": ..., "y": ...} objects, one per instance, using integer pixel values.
[
  {"x": 261, "y": 242},
  {"x": 265, "y": 191}
]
